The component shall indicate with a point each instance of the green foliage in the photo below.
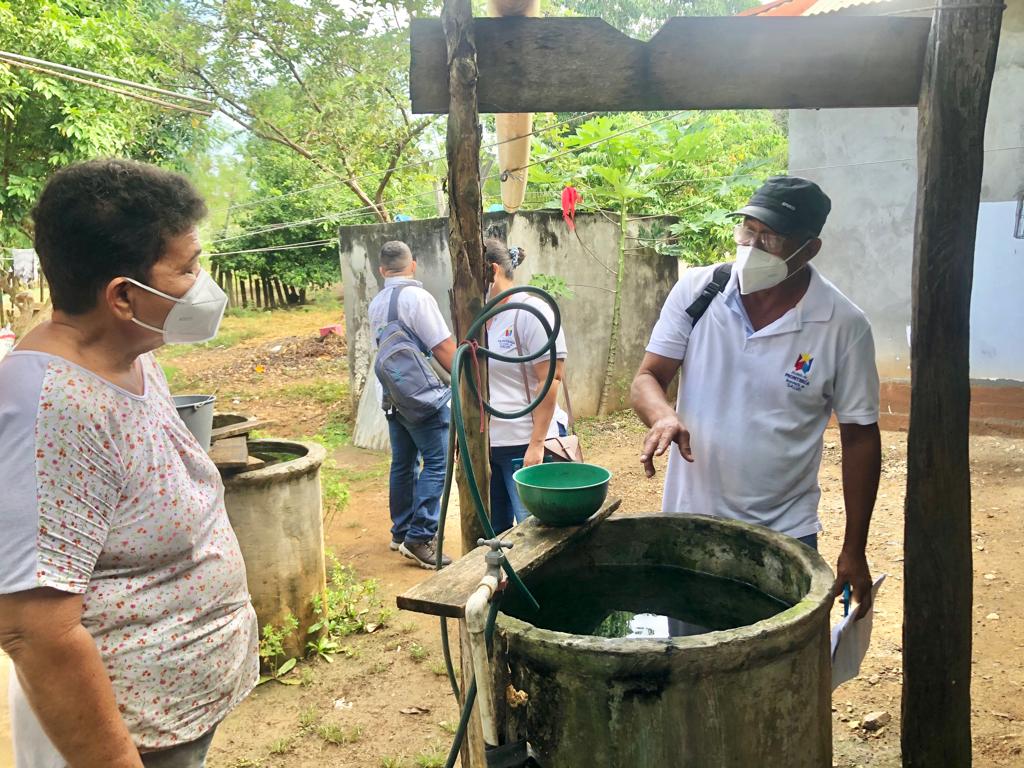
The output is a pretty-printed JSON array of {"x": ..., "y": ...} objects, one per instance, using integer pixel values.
[
  {"x": 320, "y": 88},
  {"x": 334, "y": 734},
  {"x": 642, "y": 18},
  {"x": 431, "y": 757},
  {"x": 553, "y": 284},
  {"x": 695, "y": 166},
  {"x": 348, "y": 606},
  {"x": 271, "y": 650},
  {"x": 47, "y": 123},
  {"x": 418, "y": 653}
]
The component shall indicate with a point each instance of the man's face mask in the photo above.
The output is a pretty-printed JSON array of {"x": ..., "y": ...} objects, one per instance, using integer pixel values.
[
  {"x": 760, "y": 270},
  {"x": 195, "y": 317}
]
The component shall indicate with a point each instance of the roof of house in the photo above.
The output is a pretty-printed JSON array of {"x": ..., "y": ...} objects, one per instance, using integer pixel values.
[{"x": 806, "y": 7}]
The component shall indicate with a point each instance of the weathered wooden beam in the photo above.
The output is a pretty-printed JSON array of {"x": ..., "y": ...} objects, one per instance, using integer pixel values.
[
  {"x": 582, "y": 65},
  {"x": 936, "y": 716},
  {"x": 446, "y": 592}
]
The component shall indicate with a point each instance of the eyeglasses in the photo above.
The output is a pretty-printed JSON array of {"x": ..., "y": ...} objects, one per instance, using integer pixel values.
[{"x": 770, "y": 242}]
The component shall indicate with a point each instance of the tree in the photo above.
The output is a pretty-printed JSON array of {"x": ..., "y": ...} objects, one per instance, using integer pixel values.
[
  {"x": 697, "y": 167},
  {"x": 642, "y": 18},
  {"x": 326, "y": 81},
  {"x": 47, "y": 123}
]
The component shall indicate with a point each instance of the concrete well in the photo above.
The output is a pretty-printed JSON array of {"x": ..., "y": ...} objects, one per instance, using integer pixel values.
[
  {"x": 757, "y": 695},
  {"x": 277, "y": 515}
]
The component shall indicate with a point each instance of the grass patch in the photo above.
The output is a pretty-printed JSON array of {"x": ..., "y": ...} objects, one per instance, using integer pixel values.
[
  {"x": 326, "y": 392},
  {"x": 282, "y": 746},
  {"x": 308, "y": 718},
  {"x": 438, "y": 668},
  {"x": 432, "y": 757},
  {"x": 448, "y": 727},
  {"x": 418, "y": 653},
  {"x": 336, "y": 432},
  {"x": 392, "y": 762},
  {"x": 335, "y": 734}
]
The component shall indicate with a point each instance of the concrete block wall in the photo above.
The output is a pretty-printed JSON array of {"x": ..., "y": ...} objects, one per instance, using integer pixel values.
[{"x": 588, "y": 267}]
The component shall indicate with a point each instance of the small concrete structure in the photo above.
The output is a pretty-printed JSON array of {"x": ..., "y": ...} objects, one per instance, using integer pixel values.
[
  {"x": 277, "y": 515},
  {"x": 750, "y": 696}
]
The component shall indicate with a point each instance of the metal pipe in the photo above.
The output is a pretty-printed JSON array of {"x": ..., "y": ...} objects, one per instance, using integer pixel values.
[{"x": 476, "y": 623}]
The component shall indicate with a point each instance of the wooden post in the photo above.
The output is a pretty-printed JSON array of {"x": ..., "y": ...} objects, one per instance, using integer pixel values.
[
  {"x": 469, "y": 282},
  {"x": 241, "y": 290},
  {"x": 960, "y": 60},
  {"x": 465, "y": 234}
]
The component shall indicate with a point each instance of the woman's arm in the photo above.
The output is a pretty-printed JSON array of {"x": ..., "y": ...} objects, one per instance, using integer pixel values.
[{"x": 63, "y": 677}]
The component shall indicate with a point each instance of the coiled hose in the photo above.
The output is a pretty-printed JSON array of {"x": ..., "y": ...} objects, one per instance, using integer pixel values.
[{"x": 480, "y": 355}]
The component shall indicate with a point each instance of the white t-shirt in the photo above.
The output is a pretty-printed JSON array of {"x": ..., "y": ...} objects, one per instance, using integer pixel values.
[
  {"x": 506, "y": 379},
  {"x": 416, "y": 308},
  {"x": 106, "y": 494},
  {"x": 757, "y": 404}
]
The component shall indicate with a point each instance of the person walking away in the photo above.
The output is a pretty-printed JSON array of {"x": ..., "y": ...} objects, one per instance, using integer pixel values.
[
  {"x": 405, "y": 318},
  {"x": 769, "y": 350},
  {"x": 123, "y": 598},
  {"x": 517, "y": 443}
]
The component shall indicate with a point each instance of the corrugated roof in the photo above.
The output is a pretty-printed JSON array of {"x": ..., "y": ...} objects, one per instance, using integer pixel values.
[
  {"x": 780, "y": 8},
  {"x": 806, "y": 7},
  {"x": 831, "y": 6}
]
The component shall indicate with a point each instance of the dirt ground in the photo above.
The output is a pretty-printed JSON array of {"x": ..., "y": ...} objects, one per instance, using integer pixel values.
[{"x": 265, "y": 372}]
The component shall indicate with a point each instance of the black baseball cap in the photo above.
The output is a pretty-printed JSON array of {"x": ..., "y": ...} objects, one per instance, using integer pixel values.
[{"x": 789, "y": 204}]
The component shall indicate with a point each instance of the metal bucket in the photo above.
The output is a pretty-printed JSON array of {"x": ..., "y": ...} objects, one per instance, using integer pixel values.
[{"x": 197, "y": 413}]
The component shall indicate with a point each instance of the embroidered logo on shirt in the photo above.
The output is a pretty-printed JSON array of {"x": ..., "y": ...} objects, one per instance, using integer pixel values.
[
  {"x": 799, "y": 378},
  {"x": 506, "y": 340}
]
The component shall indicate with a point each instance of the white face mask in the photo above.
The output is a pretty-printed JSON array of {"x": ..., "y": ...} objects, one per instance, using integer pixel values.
[
  {"x": 195, "y": 317},
  {"x": 759, "y": 270}
]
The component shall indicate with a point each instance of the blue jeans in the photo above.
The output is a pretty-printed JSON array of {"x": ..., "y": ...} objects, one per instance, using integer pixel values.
[
  {"x": 811, "y": 540},
  {"x": 506, "y": 507},
  {"x": 191, "y": 755},
  {"x": 415, "y": 493}
]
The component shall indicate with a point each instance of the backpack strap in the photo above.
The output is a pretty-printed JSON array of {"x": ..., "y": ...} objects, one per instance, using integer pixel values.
[
  {"x": 393, "y": 304},
  {"x": 719, "y": 279},
  {"x": 519, "y": 350}
]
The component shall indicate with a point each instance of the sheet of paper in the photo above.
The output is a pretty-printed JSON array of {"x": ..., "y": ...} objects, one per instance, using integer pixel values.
[{"x": 850, "y": 640}]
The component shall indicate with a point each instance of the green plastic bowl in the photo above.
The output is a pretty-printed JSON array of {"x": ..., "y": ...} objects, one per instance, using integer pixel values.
[{"x": 562, "y": 493}]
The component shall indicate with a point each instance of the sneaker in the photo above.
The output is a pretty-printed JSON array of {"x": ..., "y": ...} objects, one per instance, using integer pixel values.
[
  {"x": 395, "y": 544},
  {"x": 424, "y": 553}
]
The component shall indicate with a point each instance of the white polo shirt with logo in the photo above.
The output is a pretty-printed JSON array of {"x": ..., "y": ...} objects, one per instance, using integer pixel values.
[{"x": 757, "y": 403}]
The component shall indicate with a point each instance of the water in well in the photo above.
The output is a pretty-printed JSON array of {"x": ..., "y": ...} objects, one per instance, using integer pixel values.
[{"x": 648, "y": 601}]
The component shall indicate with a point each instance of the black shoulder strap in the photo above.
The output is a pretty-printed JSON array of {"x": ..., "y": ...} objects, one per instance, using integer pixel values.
[
  {"x": 393, "y": 304},
  {"x": 719, "y": 280}
]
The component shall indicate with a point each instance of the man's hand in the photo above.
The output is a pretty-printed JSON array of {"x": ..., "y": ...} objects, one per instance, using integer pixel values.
[
  {"x": 534, "y": 455},
  {"x": 853, "y": 569},
  {"x": 663, "y": 433}
]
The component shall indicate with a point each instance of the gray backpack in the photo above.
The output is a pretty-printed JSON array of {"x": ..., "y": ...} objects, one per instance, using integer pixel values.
[{"x": 410, "y": 385}]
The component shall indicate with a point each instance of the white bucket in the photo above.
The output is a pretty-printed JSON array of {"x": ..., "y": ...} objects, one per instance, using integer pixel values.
[{"x": 197, "y": 413}]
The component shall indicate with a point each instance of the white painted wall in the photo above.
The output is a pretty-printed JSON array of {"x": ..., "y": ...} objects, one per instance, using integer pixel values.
[{"x": 865, "y": 159}]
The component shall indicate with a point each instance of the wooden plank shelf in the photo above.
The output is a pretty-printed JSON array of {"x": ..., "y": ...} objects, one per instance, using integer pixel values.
[{"x": 446, "y": 592}]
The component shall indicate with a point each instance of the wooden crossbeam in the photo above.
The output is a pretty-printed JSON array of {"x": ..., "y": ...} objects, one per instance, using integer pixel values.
[
  {"x": 583, "y": 65},
  {"x": 446, "y": 592}
]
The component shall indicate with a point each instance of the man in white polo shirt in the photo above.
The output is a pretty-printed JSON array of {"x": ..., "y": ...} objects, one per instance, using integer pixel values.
[
  {"x": 415, "y": 491},
  {"x": 769, "y": 350}
]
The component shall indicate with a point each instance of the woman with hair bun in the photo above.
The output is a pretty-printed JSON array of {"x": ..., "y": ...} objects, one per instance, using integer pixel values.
[{"x": 518, "y": 442}]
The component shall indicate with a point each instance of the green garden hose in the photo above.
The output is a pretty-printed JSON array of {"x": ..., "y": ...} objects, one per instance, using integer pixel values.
[{"x": 458, "y": 429}]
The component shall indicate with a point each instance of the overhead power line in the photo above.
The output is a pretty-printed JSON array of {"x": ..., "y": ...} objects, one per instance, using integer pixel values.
[
  {"x": 96, "y": 75},
  {"x": 101, "y": 86},
  {"x": 288, "y": 247}
]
